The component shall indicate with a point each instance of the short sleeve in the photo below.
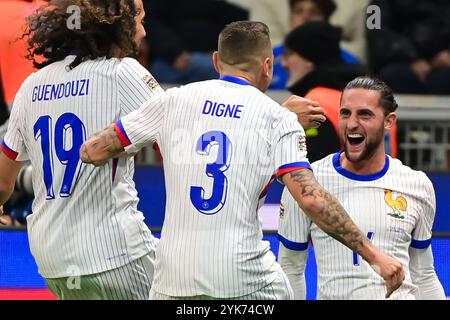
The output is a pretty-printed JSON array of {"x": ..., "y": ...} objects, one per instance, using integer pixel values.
[
  {"x": 294, "y": 224},
  {"x": 135, "y": 85},
  {"x": 13, "y": 145},
  {"x": 421, "y": 236},
  {"x": 289, "y": 149},
  {"x": 142, "y": 127}
]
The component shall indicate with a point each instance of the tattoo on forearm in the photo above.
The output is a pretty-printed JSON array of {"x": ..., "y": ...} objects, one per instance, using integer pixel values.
[
  {"x": 102, "y": 146},
  {"x": 107, "y": 140},
  {"x": 331, "y": 217}
]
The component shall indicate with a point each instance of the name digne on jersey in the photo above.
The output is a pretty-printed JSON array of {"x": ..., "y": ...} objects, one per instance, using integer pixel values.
[{"x": 217, "y": 109}]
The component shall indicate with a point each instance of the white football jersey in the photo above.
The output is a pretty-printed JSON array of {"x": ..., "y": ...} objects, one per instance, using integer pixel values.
[
  {"x": 395, "y": 208},
  {"x": 222, "y": 141},
  {"x": 85, "y": 219}
]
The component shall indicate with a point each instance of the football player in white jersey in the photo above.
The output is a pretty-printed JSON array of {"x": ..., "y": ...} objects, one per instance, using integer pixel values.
[
  {"x": 86, "y": 234},
  {"x": 222, "y": 141},
  {"x": 393, "y": 204}
]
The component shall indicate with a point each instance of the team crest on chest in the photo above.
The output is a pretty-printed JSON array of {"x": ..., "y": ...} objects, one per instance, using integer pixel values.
[
  {"x": 398, "y": 204},
  {"x": 150, "y": 82}
]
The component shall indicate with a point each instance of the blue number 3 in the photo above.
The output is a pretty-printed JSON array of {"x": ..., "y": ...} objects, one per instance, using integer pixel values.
[
  {"x": 215, "y": 170},
  {"x": 70, "y": 134}
]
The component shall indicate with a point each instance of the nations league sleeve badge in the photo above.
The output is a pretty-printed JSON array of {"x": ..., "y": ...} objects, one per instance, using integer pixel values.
[
  {"x": 151, "y": 82},
  {"x": 302, "y": 143}
]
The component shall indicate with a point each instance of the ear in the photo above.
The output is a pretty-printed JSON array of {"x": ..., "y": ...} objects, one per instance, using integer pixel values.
[
  {"x": 390, "y": 120},
  {"x": 217, "y": 62},
  {"x": 268, "y": 67}
]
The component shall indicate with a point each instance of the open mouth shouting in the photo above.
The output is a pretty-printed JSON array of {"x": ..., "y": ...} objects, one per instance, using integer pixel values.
[{"x": 355, "y": 140}]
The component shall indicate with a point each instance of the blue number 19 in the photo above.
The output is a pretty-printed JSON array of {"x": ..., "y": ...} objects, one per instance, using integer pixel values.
[
  {"x": 215, "y": 170},
  {"x": 69, "y": 136}
]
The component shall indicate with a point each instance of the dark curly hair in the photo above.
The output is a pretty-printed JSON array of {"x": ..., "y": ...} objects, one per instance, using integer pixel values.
[{"x": 107, "y": 29}]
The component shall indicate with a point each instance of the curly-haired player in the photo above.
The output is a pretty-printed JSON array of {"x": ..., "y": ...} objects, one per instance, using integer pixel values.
[{"x": 86, "y": 234}]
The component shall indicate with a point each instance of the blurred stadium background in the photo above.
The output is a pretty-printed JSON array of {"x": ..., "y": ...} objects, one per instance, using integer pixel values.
[{"x": 424, "y": 144}]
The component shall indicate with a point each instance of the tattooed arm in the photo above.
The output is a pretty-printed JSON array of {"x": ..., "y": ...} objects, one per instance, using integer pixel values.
[
  {"x": 327, "y": 213},
  {"x": 101, "y": 147}
]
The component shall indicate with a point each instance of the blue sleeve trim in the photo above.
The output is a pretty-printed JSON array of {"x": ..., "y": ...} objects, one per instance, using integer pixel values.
[
  {"x": 292, "y": 167},
  {"x": 297, "y": 246},
  {"x": 10, "y": 153},
  {"x": 420, "y": 244},
  {"x": 303, "y": 164},
  {"x": 122, "y": 134},
  {"x": 119, "y": 123}
]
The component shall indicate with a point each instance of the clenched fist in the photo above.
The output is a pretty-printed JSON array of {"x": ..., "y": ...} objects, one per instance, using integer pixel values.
[
  {"x": 309, "y": 113},
  {"x": 391, "y": 270}
]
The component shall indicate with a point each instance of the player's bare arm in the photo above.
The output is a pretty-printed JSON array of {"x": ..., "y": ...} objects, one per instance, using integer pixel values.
[
  {"x": 9, "y": 169},
  {"x": 101, "y": 147},
  {"x": 328, "y": 214},
  {"x": 309, "y": 112}
]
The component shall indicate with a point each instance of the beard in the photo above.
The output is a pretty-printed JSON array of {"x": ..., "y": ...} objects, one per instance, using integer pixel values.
[{"x": 371, "y": 146}]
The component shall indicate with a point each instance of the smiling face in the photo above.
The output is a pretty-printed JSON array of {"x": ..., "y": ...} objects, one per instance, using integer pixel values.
[{"x": 362, "y": 124}]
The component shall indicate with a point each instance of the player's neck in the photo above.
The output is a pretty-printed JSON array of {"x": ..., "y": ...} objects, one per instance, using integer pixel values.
[
  {"x": 116, "y": 51},
  {"x": 372, "y": 165},
  {"x": 241, "y": 76}
]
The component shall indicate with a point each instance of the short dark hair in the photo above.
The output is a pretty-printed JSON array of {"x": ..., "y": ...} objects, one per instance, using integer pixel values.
[
  {"x": 326, "y": 6},
  {"x": 241, "y": 42},
  {"x": 387, "y": 99},
  {"x": 108, "y": 29}
]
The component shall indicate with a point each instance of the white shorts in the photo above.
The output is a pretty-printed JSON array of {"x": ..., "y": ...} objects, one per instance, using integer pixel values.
[
  {"x": 130, "y": 282},
  {"x": 279, "y": 289}
]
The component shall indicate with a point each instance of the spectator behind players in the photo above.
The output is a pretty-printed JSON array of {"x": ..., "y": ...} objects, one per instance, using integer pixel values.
[
  {"x": 411, "y": 50},
  {"x": 317, "y": 71},
  {"x": 301, "y": 12},
  {"x": 183, "y": 35}
]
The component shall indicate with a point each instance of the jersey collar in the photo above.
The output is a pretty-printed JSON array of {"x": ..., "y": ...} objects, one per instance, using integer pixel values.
[
  {"x": 235, "y": 80},
  {"x": 358, "y": 177}
]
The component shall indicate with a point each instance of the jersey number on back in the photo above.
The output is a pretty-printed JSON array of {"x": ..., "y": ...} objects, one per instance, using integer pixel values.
[
  {"x": 214, "y": 170},
  {"x": 68, "y": 137}
]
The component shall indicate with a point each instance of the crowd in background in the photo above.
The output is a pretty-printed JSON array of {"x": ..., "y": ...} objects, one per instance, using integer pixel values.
[{"x": 410, "y": 50}]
